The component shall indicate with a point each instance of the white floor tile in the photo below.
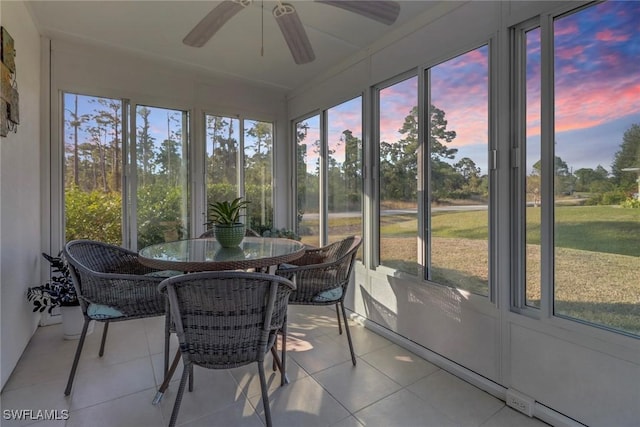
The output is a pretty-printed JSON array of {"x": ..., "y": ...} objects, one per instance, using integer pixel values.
[
  {"x": 389, "y": 386},
  {"x": 302, "y": 403},
  {"x": 239, "y": 414},
  {"x": 465, "y": 404},
  {"x": 110, "y": 382},
  {"x": 133, "y": 410},
  {"x": 508, "y": 417},
  {"x": 356, "y": 387},
  {"x": 403, "y": 409},
  {"x": 399, "y": 364},
  {"x": 35, "y": 398},
  {"x": 213, "y": 390}
]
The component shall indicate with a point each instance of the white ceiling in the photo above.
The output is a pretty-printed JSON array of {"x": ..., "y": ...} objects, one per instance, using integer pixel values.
[{"x": 157, "y": 28}]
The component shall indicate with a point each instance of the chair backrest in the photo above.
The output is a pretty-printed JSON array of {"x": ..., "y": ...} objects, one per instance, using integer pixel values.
[
  {"x": 99, "y": 257},
  {"x": 329, "y": 253},
  {"x": 345, "y": 256},
  {"x": 226, "y": 319},
  {"x": 111, "y": 275},
  {"x": 341, "y": 248}
]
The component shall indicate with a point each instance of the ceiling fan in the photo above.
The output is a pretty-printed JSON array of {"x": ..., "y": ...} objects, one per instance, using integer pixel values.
[{"x": 289, "y": 22}]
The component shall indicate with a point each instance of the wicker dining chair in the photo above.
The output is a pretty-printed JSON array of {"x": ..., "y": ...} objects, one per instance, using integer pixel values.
[
  {"x": 322, "y": 276},
  {"x": 112, "y": 286},
  {"x": 226, "y": 319}
]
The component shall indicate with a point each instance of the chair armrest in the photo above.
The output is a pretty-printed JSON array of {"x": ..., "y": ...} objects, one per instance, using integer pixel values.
[
  {"x": 313, "y": 280},
  {"x": 132, "y": 295}
]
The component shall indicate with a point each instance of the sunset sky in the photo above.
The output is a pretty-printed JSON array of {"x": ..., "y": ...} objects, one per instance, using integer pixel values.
[
  {"x": 597, "y": 93},
  {"x": 597, "y": 89}
]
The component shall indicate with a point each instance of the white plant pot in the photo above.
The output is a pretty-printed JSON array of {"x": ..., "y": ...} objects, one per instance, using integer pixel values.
[{"x": 72, "y": 322}]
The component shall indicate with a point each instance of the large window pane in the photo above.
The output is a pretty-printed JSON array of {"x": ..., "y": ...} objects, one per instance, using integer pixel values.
[
  {"x": 162, "y": 191},
  {"x": 258, "y": 160},
  {"x": 93, "y": 168},
  {"x": 596, "y": 165},
  {"x": 308, "y": 180},
  {"x": 398, "y": 133},
  {"x": 459, "y": 171},
  {"x": 344, "y": 174},
  {"x": 222, "y": 139}
]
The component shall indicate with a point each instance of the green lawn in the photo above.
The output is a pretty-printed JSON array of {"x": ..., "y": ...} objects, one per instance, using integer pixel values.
[{"x": 597, "y": 272}]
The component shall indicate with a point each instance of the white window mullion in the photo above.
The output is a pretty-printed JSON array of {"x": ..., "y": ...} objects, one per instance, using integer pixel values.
[
  {"x": 130, "y": 221},
  {"x": 547, "y": 167}
]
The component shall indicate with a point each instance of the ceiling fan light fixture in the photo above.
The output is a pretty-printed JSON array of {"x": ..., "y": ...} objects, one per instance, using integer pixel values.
[
  {"x": 382, "y": 11},
  {"x": 210, "y": 24},
  {"x": 294, "y": 33}
]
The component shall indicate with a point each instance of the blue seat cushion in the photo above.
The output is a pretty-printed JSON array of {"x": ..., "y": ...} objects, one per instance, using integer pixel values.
[
  {"x": 164, "y": 273},
  {"x": 102, "y": 312},
  {"x": 329, "y": 295}
]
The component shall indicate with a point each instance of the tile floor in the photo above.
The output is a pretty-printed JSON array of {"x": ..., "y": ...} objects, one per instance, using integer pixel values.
[{"x": 389, "y": 387}]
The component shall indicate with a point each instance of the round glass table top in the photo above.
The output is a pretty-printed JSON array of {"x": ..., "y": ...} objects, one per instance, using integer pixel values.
[{"x": 206, "y": 254}]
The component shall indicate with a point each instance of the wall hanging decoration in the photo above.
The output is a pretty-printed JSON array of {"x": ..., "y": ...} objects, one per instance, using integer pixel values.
[{"x": 9, "y": 117}]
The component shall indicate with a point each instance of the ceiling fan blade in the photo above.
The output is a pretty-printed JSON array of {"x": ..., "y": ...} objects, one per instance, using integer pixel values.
[
  {"x": 382, "y": 11},
  {"x": 294, "y": 33},
  {"x": 210, "y": 24}
]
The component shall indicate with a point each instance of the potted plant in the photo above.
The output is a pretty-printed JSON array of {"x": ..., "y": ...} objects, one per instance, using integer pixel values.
[
  {"x": 281, "y": 233},
  {"x": 59, "y": 292},
  {"x": 225, "y": 218}
]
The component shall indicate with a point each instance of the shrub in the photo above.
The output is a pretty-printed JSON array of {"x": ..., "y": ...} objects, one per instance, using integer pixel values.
[{"x": 631, "y": 203}]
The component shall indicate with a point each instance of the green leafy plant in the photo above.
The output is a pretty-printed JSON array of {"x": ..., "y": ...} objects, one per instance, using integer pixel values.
[
  {"x": 58, "y": 292},
  {"x": 225, "y": 212},
  {"x": 282, "y": 233}
]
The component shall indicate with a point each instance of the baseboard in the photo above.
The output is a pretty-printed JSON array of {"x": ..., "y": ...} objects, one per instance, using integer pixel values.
[{"x": 540, "y": 411}]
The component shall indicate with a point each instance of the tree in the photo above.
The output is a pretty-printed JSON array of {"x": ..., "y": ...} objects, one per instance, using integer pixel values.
[
  {"x": 144, "y": 146},
  {"x": 587, "y": 179},
  {"x": 169, "y": 156},
  {"x": 399, "y": 160},
  {"x": 563, "y": 179},
  {"x": 107, "y": 115},
  {"x": 628, "y": 157},
  {"x": 223, "y": 154},
  {"x": 258, "y": 175},
  {"x": 76, "y": 122}
]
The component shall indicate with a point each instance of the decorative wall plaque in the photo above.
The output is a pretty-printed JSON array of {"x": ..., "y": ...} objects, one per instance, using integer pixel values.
[{"x": 9, "y": 117}]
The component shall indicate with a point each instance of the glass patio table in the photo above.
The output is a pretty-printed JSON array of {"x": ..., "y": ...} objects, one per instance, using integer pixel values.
[{"x": 206, "y": 254}]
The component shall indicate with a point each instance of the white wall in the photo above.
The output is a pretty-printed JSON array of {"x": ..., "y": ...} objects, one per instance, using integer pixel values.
[
  {"x": 587, "y": 374},
  {"x": 20, "y": 237}
]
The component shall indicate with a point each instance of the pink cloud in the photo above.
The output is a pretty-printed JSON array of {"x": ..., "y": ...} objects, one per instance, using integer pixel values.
[
  {"x": 592, "y": 104},
  {"x": 610, "y": 36},
  {"x": 569, "y": 52},
  {"x": 564, "y": 28}
]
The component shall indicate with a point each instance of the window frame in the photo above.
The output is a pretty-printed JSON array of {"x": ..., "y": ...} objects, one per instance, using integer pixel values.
[
  {"x": 546, "y": 313},
  {"x": 322, "y": 114},
  {"x": 202, "y": 160}
]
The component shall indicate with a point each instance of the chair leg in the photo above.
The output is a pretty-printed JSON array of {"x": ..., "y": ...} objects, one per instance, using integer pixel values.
[
  {"x": 176, "y": 405},
  {"x": 274, "y": 350},
  {"x": 190, "y": 378},
  {"x": 104, "y": 338},
  {"x": 167, "y": 340},
  {"x": 265, "y": 394},
  {"x": 338, "y": 316},
  {"x": 283, "y": 372},
  {"x": 76, "y": 359},
  {"x": 346, "y": 327}
]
